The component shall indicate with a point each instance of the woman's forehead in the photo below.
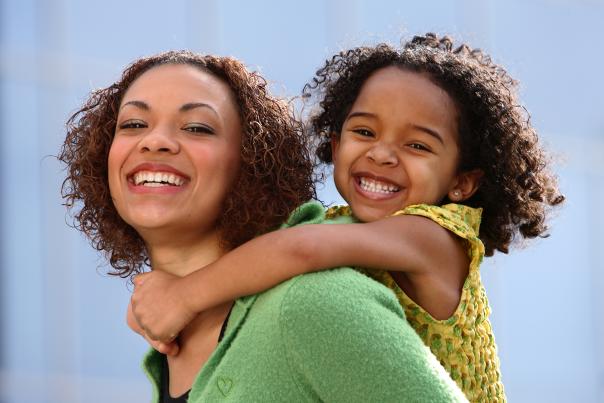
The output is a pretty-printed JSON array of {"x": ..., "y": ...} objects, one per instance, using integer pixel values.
[{"x": 183, "y": 83}]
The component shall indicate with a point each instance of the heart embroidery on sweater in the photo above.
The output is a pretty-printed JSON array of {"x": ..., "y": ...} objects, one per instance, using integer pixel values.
[{"x": 224, "y": 385}]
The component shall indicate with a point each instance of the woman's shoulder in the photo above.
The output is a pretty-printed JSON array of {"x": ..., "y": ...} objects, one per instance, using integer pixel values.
[
  {"x": 347, "y": 335},
  {"x": 343, "y": 291},
  {"x": 314, "y": 212},
  {"x": 335, "y": 298},
  {"x": 311, "y": 212}
]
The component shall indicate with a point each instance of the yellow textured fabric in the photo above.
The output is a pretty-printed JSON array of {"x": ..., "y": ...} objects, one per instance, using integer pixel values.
[{"x": 464, "y": 343}]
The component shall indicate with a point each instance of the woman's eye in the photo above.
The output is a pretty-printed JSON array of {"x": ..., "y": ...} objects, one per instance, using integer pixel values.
[
  {"x": 133, "y": 124},
  {"x": 201, "y": 129},
  {"x": 363, "y": 132}
]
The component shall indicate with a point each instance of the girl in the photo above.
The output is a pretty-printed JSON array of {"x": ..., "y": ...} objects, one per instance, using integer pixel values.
[{"x": 412, "y": 133}]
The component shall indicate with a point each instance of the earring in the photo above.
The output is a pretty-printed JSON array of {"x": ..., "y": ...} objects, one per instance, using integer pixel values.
[{"x": 456, "y": 194}]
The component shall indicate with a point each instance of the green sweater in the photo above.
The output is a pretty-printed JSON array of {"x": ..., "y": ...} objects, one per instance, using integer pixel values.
[{"x": 332, "y": 336}]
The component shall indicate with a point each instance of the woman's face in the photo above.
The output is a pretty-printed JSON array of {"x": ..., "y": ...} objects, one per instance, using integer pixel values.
[{"x": 176, "y": 151}]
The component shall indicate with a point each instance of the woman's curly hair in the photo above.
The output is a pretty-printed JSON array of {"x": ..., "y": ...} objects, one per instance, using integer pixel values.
[
  {"x": 495, "y": 134},
  {"x": 275, "y": 175}
]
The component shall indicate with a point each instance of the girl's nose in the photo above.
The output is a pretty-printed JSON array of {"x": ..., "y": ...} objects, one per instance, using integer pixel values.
[
  {"x": 159, "y": 140},
  {"x": 383, "y": 154}
]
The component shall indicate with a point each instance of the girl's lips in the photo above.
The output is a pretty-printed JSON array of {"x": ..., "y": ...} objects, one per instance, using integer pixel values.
[{"x": 374, "y": 187}]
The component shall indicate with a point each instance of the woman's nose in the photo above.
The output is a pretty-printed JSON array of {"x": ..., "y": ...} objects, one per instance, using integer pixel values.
[
  {"x": 383, "y": 154},
  {"x": 159, "y": 140}
]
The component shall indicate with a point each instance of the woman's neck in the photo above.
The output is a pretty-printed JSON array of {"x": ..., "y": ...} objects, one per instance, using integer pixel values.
[
  {"x": 197, "y": 343},
  {"x": 180, "y": 256}
]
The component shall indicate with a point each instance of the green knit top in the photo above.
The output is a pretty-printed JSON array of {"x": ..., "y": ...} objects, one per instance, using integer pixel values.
[{"x": 332, "y": 336}]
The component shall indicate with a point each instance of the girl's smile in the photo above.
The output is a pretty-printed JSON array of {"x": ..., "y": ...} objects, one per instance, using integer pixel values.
[
  {"x": 375, "y": 187},
  {"x": 398, "y": 145}
]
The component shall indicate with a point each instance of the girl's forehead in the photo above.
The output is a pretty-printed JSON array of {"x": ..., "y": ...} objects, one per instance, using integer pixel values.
[{"x": 400, "y": 92}]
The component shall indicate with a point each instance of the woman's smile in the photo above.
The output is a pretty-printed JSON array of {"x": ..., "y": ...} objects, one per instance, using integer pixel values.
[{"x": 156, "y": 178}]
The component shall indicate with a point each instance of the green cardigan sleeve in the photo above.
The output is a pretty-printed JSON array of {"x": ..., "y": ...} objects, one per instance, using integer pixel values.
[{"x": 348, "y": 341}]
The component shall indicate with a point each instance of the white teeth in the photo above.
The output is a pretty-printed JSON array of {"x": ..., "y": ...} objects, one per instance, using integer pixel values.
[
  {"x": 371, "y": 185},
  {"x": 157, "y": 179}
]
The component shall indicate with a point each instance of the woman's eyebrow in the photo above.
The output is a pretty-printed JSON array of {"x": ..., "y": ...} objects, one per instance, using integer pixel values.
[
  {"x": 193, "y": 105},
  {"x": 138, "y": 104},
  {"x": 361, "y": 114},
  {"x": 184, "y": 108}
]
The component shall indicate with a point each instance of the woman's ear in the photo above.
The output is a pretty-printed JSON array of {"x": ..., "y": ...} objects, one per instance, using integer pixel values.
[
  {"x": 335, "y": 143},
  {"x": 466, "y": 184}
]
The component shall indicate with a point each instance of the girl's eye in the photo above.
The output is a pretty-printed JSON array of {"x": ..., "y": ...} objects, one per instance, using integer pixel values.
[
  {"x": 363, "y": 132},
  {"x": 419, "y": 146},
  {"x": 133, "y": 124},
  {"x": 200, "y": 129}
]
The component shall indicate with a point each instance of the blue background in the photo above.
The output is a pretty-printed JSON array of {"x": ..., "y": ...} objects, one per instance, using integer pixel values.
[{"x": 62, "y": 331}]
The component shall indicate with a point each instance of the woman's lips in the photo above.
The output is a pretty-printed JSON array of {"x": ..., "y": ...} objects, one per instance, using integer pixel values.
[
  {"x": 155, "y": 177},
  {"x": 160, "y": 178}
]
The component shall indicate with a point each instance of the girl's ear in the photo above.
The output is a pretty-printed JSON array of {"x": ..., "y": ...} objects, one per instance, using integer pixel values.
[
  {"x": 335, "y": 143},
  {"x": 465, "y": 185}
]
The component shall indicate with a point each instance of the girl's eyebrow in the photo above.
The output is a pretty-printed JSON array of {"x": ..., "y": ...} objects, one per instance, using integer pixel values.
[
  {"x": 424, "y": 129},
  {"x": 429, "y": 131}
]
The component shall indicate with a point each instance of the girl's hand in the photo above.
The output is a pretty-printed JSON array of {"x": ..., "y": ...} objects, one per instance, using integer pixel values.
[
  {"x": 171, "y": 348},
  {"x": 160, "y": 306}
]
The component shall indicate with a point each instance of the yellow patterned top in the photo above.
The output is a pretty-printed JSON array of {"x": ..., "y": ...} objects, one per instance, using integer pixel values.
[{"x": 464, "y": 343}]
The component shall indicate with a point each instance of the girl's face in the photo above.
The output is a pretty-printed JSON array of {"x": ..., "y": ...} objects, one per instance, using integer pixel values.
[
  {"x": 176, "y": 151},
  {"x": 398, "y": 146}
]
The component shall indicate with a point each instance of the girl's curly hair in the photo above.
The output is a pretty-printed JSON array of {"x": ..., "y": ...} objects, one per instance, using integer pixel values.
[
  {"x": 276, "y": 166},
  {"x": 495, "y": 134}
]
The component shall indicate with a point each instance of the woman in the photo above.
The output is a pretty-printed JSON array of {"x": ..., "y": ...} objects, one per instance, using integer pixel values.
[{"x": 186, "y": 157}]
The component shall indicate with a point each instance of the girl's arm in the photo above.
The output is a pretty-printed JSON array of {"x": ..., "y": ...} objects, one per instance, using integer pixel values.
[{"x": 423, "y": 250}]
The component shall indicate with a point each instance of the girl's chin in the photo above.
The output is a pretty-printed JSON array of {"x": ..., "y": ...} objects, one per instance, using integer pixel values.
[{"x": 372, "y": 213}]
